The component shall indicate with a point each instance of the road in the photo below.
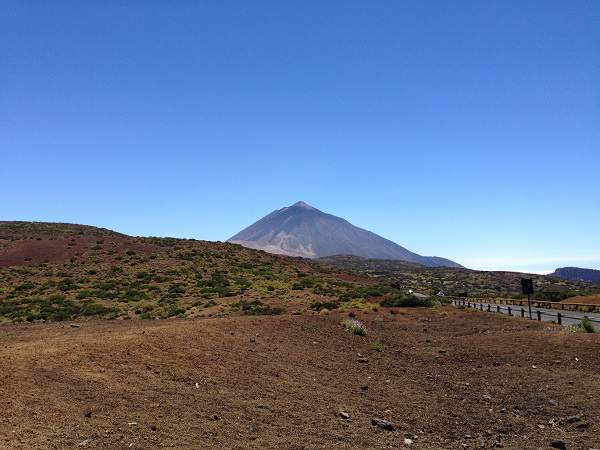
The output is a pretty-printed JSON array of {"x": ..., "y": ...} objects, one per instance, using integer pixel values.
[{"x": 548, "y": 315}]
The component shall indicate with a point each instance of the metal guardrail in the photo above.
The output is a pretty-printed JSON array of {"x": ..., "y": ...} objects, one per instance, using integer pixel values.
[
  {"x": 487, "y": 306},
  {"x": 583, "y": 307}
]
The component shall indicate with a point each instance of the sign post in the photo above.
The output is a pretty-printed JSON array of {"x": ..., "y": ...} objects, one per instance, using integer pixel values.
[{"x": 527, "y": 287}]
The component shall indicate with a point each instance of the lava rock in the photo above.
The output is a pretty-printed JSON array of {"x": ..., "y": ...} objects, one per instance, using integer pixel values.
[
  {"x": 561, "y": 445},
  {"x": 384, "y": 424}
]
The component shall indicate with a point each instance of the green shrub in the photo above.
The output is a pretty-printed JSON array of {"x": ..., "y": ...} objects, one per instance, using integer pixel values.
[
  {"x": 587, "y": 325},
  {"x": 409, "y": 301},
  {"x": 318, "y": 306}
]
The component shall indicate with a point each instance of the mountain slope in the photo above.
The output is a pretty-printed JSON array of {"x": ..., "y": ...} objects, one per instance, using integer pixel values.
[
  {"x": 577, "y": 273},
  {"x": 302, "y": 230}
]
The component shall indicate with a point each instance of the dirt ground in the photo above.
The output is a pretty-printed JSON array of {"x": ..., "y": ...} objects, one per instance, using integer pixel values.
[
  {"x": 584, "y": 299},
  {"x": 446, "y": 378}
]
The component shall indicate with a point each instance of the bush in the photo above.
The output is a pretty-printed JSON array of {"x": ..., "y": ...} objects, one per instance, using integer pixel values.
[
  {"x": 355, "y": 327},
  {"x": 409, "y": 301},
  {"x": 587, "y": 325},
  {"x": 318, "y": 306}
]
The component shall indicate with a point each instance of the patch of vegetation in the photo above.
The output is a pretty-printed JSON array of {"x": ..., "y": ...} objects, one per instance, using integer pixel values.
[
  {"x": 318, "y": 306},
  {"x": 408, "y": 301},
  {"x": 377, "y": 346},
  {"x": 587, "y": 325},
  {"x": 355, "y": 327}
]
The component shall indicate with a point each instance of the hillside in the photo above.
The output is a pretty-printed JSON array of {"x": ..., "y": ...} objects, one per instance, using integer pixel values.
[
  {"x": 577, "y": 273},
  {"x": 302, "y": 230},
  {"x": 458, "y": 281},
  {"x": 65, "y": 271}
]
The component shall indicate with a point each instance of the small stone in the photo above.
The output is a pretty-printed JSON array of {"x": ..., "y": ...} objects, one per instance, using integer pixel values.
[
  {"x": 153, "y": 427},
  {"x": 364, "y": 387},
  {"x": 408, "y": 441},
  {"x": 487, "y": 397},
  {"x": 84, "y": 443},
  {"x": 583, "y": 426},
  {"x": 345, "y": 415},
  {"x": 384, "y": 424},
  {"x": 364, "y": 359},
  {"x": 553, "y": 402},
  {"x": 215, "y": 417},
  {"x": 87, "y": 413},
  {"x": 573, "y": 419},
  {"x": 558, "y": 444}
]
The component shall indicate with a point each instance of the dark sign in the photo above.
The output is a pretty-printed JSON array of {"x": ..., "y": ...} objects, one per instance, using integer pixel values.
[{"x": 527, "y": 286}]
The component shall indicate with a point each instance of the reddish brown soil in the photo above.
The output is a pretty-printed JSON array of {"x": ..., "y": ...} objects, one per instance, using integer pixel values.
[
  {"x": 584, "y": 299},
  {"x": 279, "y": 382},
  {"x": 53, "y": 250}
]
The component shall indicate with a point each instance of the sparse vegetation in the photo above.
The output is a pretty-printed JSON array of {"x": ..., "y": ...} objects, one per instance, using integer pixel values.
[
  {"x": 408, "y": 301},
  {"x": 355, "y": 327},
  {"x": 587, "y": 325},
  {"x": 377, "y": 346}
]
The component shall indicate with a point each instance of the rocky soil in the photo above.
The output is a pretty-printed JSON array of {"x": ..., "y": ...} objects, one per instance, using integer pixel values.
[{"x": 420, "y": 378}]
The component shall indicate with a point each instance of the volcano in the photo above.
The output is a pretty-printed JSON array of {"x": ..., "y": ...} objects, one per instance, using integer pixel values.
[{"x": 302, "y": 230}]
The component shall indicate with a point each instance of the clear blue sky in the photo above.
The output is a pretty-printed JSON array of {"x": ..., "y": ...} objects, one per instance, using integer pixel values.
[{"x": 469, "y": 129}]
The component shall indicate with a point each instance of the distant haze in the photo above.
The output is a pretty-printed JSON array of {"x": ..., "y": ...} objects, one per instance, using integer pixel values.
[{"x": 302, "y": 230}]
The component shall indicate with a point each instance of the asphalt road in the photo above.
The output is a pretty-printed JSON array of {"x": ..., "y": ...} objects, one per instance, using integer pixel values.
[{"x": 548, "y": 315}]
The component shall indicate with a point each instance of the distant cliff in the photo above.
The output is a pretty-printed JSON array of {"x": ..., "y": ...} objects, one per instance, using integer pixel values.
[{"x": 577, "y": 273}]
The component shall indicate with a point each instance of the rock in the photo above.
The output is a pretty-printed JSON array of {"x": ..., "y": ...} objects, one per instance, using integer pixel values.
[
  {"x": 84, "y": 443},
  {"x": 553, "y": 402},
  {"x": 582, "y": 426},
  {"x": 408, "y": 441},
  {"x": 364, "y": 359},
  {"x": 345, "y": 415},
  {"x": 385, "y": 424},
  {"x": 153, "y": 427},
  {"x": 215, "y": 417},
  {"x": 487, "y": 397},
  {"x": 364, "y": 387},
  {"x": 75, "y": 325},
  {"x": 573, "y": 419},
  {"x": 87, "y": 413},
  {"x": 558, "y": 444}
]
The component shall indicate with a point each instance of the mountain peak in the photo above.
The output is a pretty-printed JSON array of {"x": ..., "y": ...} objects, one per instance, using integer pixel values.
[
  {"x": 302, "y": 230},
  {"x": 301, "y": 204}
]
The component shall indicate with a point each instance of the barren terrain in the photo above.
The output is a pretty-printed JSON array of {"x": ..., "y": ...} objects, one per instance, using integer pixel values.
[{"x": 447, "y": 378}]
